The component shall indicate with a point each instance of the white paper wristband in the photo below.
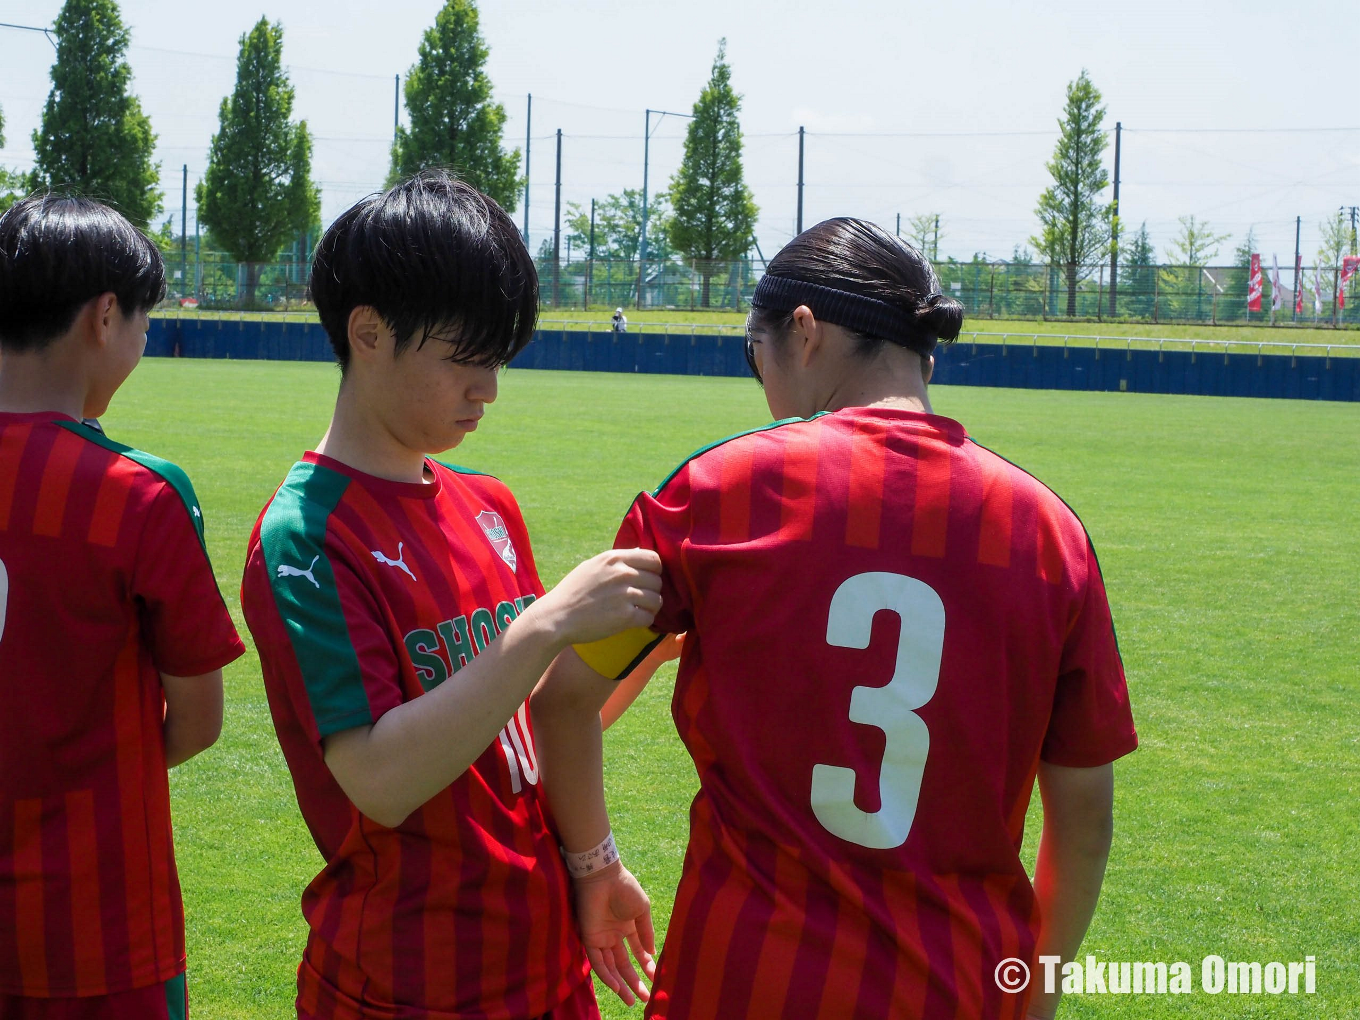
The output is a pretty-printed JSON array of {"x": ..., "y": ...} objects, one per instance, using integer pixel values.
[{"x": 595, "y": 859}]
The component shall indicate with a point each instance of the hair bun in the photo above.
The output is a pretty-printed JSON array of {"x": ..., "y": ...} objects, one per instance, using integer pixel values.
[{"x": 941, "y": 316}]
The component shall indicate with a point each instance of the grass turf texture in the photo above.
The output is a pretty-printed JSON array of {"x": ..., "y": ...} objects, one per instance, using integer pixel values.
[{"x": 1227, "y": 536}]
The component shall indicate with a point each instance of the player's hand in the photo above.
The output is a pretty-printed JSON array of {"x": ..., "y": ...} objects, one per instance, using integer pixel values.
[
  {"x": 612, "y": 592},
  {"x": 615, "y": 916}
]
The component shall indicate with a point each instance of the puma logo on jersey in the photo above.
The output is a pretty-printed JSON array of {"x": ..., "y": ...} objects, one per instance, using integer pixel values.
[
  {"x": 286, "y": 571},
  {"x": 399, "y": 562}
]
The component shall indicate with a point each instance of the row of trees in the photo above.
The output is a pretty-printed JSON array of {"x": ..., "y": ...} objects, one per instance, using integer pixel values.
[
  {"x": 1078, "y": 229},
  {"x": 257, "y": 197}
]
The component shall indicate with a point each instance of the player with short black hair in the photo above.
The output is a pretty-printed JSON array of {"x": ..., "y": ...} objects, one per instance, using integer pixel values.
[
  {"x": 401, "y": 626},
  {"x": 113, "y": 634},
  {"x": 890, "y": 631}
]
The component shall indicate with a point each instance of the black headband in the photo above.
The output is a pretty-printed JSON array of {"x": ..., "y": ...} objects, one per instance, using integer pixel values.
[{"x": 843, "y": 308}]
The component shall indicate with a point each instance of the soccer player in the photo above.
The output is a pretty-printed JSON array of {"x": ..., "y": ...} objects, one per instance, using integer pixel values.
[
  {"x": 113, "y": 633},
  {"x": 401, "y": 626},
  {"x": 890, "y": 631}
]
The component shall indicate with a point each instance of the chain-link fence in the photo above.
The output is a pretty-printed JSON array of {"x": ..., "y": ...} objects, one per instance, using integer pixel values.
[{"x": 987, "y": 290}]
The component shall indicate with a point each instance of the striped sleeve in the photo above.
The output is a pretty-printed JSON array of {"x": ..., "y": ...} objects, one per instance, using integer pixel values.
[
  {"x": 333, "y": 640},
  {"x": 660, "y": 522},
  {"x": 188, "y": 628},
  {"x": 1091, "y": 723}
]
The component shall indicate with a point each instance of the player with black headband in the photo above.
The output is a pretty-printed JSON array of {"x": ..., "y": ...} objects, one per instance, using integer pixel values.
[{"x": 890, "y": 632}]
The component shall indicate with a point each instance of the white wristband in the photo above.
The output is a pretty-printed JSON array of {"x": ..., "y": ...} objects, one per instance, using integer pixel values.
[{"x": 595, "y": 859}]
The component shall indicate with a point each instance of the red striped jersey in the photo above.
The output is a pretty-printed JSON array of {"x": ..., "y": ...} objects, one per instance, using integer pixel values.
[
  {"x": 363, "y": 594},
  {"x": 889, "y": 627},
  {"x": 104, "y": 585}
]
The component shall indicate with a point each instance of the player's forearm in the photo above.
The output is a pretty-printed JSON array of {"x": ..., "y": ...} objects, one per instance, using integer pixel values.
[
  {"x": 568, "y": 737},
  {"x": 418, "y": 748},
  {"x": 1067, "y": 881},
  {"x": 193, "y": 715}
]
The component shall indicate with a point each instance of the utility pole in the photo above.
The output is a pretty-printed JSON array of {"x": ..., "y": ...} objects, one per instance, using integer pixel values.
[
  {"x": 590, "y": 265},
  {"x": 528, "y": 140},
  {"x": 899, "y": 225},
  {"x": 557, "y": 223},
  {"x": 1298, "y": 264},
  {"x": 646, "y": 161},
  {"x": 184, "y": 235},
  {"x": 396, "y": 106},
  {"x": 1114, "y": 246},
  {"x": 935, "y": 248},
  {"x": 800, "y": 180},
  {"x": 1354, "y": 209}
]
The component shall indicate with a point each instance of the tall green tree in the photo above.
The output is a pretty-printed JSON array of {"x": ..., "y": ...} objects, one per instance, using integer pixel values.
[
  {"x": 454, "y": 122},
  {"x": 1196, "y": 244},
  {"x": 257, "y": 194},
  {"x": 925, "y": 234},
  {"x": 1075, "y": 224},
  {"x": 94, "y": 138},
  {"x": 715, "y": 215},
  {"x": 1336, "y": 237},
  {"x": 11, "y": 183},
  {"x": 618, "y": 226}
]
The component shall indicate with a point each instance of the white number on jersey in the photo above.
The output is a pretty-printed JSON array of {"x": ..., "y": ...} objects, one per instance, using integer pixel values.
[
  {"x": 4, "y": 595},
  {"x": 518, "y": 747},
  {"x": 891, "y": 708}
]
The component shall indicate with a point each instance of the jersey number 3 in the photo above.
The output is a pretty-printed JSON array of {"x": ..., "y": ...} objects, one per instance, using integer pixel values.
[{"x": 892, "y": 707}]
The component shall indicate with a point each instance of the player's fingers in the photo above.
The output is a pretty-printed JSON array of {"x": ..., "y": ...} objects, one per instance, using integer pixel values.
[
  {"x": 643, "y": 957},
  {"x": 605, "y": 969},
  {"x": 646, "y": 580},
  {"x": 629, "y": 975},
  {"x": 640, "y": 559},
  {"x": 645, "y": 931},
  {"x": 648, "y": 600}
]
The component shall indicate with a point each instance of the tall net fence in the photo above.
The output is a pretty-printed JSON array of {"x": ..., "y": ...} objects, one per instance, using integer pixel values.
[{"x": 987, "y": 290}]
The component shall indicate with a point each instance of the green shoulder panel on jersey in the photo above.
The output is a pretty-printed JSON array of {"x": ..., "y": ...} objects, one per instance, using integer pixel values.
[
  {"x": 458, "y": 469},
  {"x": 713, "y": 446},
  {"x": 173, "y": 475},
  {"x": 292, "y": 541}
]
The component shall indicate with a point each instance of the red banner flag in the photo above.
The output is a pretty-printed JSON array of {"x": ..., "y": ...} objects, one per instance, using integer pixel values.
[
  {"x": 1350, "y": 265},
  {"x": 1298, "y": 285},
  {"x": 1254, "y": 285}
]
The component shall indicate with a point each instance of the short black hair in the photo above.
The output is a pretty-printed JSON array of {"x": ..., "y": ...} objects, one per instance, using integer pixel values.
[
  {"x": 59, "y": 251},
  {"x": 860, "y": 257},
  {"x": 430, "y": 254}
]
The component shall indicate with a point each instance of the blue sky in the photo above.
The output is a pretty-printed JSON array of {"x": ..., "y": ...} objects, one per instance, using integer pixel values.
[{"x": 946, "y": 108}]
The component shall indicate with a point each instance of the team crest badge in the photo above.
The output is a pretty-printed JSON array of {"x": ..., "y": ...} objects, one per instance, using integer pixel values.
[{"x": 498, "y": 536}]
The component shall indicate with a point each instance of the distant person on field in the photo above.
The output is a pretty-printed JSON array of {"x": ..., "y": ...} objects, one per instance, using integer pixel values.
[
  {"x": 890, "y": 631},
  {"x": 113, "y": 634},
  {"x": 619, "y": 322},
  {"x": 401, "y": 626}
]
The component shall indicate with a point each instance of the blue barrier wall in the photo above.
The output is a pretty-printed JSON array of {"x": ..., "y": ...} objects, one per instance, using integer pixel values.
[{"x": 966, "y": 364}]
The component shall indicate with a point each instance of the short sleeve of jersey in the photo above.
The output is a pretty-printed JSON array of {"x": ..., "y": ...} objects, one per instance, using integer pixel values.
[
  {"x": 1092, "y": 723},
  {"x": 188, "y": 628},
  {"x": 660, "y": 523},
  {"x": 332, "y": 639}
]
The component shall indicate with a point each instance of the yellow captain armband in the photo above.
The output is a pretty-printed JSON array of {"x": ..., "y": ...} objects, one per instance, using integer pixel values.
[{"x": 615, "y": 657}]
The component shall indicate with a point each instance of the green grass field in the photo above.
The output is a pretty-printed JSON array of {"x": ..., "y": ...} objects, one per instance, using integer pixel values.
[{"x": 1228, "y": 535}]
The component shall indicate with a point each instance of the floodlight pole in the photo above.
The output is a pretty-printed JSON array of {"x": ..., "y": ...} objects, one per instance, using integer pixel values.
[
  {"x": 396, "y": 106},
  {"x": 528, "y": 141},
  {"x": 800, "y": 180},
  {"x": 184, "y": 234},
  {"x": 646, "y": 161},
  {"x": 590, "y": 265},
  {"x": 557, "y": 223},
  {"x": 1114, "y": 247}
]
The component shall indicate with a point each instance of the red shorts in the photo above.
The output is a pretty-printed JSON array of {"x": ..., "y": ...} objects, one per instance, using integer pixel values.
[{"x": 169, "y": 1001}]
